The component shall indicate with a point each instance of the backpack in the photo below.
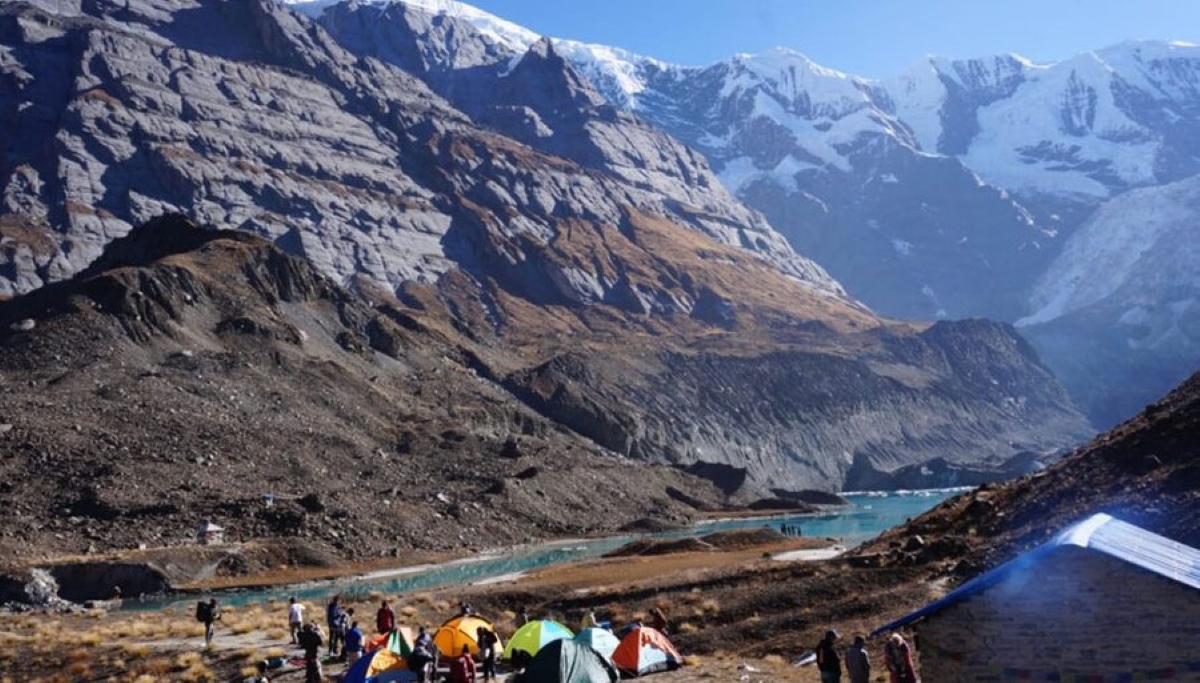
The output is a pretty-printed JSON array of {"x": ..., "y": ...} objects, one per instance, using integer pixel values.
[{"x": 202, "y": 611}]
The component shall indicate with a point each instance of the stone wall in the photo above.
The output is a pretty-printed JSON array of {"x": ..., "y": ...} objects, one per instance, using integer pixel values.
[{"x": 1076, "y": 611}]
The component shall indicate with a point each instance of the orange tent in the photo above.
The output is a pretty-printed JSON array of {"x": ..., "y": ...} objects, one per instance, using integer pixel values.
[{"x": 646, "y": 650}]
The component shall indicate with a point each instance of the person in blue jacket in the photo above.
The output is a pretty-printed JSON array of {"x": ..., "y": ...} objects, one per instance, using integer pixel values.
[{"x": 354, "y": 643}]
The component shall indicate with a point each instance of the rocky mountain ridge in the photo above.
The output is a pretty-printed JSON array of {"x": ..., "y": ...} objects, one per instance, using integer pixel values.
[
  {"x": 573, "y": 257},
  {"x": 189, "y": 372},
  {"x": 946, "y": 191}
]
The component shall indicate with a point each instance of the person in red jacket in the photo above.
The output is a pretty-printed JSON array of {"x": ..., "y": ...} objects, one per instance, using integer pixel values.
[
  {"x": 462, "y": 669},
  {"x": 898, "y": 659},
  {"x": 385, "y": 618}
]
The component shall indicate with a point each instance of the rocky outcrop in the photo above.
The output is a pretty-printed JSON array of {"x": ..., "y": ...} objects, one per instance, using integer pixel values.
[
  {"x": 797, "y": 420},
  {"x": 185, "y": 384}
]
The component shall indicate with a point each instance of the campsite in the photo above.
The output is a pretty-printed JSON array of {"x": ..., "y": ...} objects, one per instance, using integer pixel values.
[{"x": 723, "y": 609}]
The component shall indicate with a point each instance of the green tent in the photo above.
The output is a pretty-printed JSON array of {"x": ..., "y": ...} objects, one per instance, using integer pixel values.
[{"x": 568, "y": 661}]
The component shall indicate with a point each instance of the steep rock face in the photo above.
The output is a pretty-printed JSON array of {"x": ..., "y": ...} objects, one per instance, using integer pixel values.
[
  {"x": 781, "y": 416},
  {"x": 344, "y": 162},
  {"x": 537, "y": 97},
  {"x": 1141, "y": 320},
  {"x": 945, "y": 191}
]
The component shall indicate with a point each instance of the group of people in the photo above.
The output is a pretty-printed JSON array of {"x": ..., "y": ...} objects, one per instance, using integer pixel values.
[
  {"x": 425, "y": 656},
  {"x": 345, "y": 638},
  {"x": 897, "y": 660}
]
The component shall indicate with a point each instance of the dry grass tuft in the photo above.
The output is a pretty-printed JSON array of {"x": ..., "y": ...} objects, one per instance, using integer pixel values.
[
  {"x": 187, "y": 660},
  {"x": 136, "y": 650},
  {"x": 688, "y": 627},
  {"x": 775, "y": 660}
]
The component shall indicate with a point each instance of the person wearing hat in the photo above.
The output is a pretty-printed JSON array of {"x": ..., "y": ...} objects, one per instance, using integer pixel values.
[
  {"x": 858, "y": 662},
  {"x": 828, "y": 662}
]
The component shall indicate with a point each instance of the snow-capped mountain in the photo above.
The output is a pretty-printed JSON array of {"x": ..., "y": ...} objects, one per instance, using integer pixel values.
[
  {"x": 1087, "y": 127},
  {"x": 947, "y": 190},
  {"x": 1118, "y": 312}
]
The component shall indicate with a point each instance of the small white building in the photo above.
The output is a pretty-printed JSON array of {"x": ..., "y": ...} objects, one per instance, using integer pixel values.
[
  {"x": 1103, "y": 601},
  {"x": 210, "y": 534}
]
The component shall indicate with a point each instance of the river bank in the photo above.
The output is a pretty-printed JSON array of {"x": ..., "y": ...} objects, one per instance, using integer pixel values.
[{"x": 745, "y": 605}]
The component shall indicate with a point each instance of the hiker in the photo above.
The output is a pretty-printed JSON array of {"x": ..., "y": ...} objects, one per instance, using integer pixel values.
[
  {"x": 588, "y": 621},
  {"x": 295, "y": 619},
  {"x": 347, "y": 618},
  {"x": 658, "y": 620},
  {"x": 423, "y": 659},
  {"x": 465, "y": 609},
  {"x": 335, "y": 619},
  {"x": 311, "y": 641},
  {"x": 207, "y": 613},
  {"x": 462, "y": 669},
  {"x": 385, "y": 618},
  {"x": 897, "y": 658},
  {"x": 858, "y": 662},
  {"x": 353, "y": 646},
  {"x": 487, "y": 652},
  {"x": 827, "y": 659},
  {"x": 522, "y": 617}
]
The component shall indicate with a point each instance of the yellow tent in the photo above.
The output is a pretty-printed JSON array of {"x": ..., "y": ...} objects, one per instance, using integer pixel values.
[{"x": 460, "y": 631}]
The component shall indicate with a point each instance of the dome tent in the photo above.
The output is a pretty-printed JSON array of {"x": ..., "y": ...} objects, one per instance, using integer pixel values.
[
  {"x": 380, "y": 666},
  {"x": 569, "y": 661},
  {"x": 599, "y": 639},
  {"x": 459, "y": 631},
  {"x": 535, "y": 635},
  {"x": 646, "y": 650}
]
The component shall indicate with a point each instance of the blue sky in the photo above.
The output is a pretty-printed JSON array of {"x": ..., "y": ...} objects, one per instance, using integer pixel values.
[{"x": 872, "y": 38}]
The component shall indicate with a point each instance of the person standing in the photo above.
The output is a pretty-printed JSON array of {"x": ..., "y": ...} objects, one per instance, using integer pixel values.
[
  {"x": 208, "y": 616},
  {"x": 295, "y": 619},
  {"x": 423, "y": 660},
  {"x": 588, "y": 621},
  {"x": 385, "y": 618},
  {"x": 487, "y": 652},
  {"x": 858, "y": 662},
  {"x": 897, "y": 657},
  {"x": 335, "y": 620},
  {"x": 311, "y": 641},
  {"x": 828, "y": 662}
]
